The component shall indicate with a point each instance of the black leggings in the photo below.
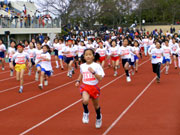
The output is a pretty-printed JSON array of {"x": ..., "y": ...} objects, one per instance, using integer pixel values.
[{"x": 157, "y": 69}]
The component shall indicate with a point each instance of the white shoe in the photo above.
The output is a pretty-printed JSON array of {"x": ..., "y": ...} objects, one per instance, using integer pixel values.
[
  {"x": 115, "y": 73},
  {"x": 45, "y": 83},
  {"x": 128, "y": 79},
  {"x": 3, "y": 68},
  {"x": 11, "y": 73},
  {"x": 85, "y": 118},
  {"x": 57, "y": 66},
  {"x": 40, "y": 86},
  {"x": 20, "y": 90},
  {"x": 67, "y": 73},
  {"x": 98, "y": 122}
]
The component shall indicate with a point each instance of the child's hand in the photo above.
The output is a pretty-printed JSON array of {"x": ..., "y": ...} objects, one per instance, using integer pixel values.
[
  {"x": 77, "y": 84},
  {"x": 91, "y": 70}
]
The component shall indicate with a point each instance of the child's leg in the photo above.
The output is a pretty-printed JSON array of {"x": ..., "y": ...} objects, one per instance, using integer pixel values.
[
  {"x": 97, "y": 108},
  {"x": 61, "y": 63},
  {"x": 56, "y": 59},
  {"x": 21, "y": 77},
  {"x": 137, "y": 62},
  {"x": 2, "y": 61},
  {"x": 102, "y": 64},
  {"x": 175, "y": 61},
  {"x": 79, "y": 61},
  {"x": 70, "y": 67},
  {"x": 167, "y": 67},
  {"x": 158, "y": 70},
  {"x": 126, "y": 68},
  {"x": 109, "y": 61},
  {"x": 85, "y": 101},
  {"x": 42, "y": 77},
  {"x": 17, "y": 75}
]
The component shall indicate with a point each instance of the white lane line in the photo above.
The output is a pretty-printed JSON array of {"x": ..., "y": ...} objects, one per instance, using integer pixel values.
[
  {"x": 64, "y": 109},
  {"x": 130, "y": 105}
]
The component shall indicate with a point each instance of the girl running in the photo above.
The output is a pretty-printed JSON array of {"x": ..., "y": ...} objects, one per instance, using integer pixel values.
[
  {"x": 55, "y": 47},
  {"x": 20, "y": 58},
  {"x": 38, "y": 52},
  {"x": 61, "y": 45},
  {"x": 114, "y": 52},
  {"x": 166, "y": 55},
  {"x": 46, "y": 67},
  {"x": 137, "y": 55},
  {"x": 125, "y": 53},
  {"x": 174, "y": 46},
  {"x": 145, "y": 42},
  {"x": 90, "y": 73},
  {"x": 178, "y": 53},
  {"x": 102, "y": 52},
  {"x": 156, "y": 60},
  {"x": 11, "y": 52},
  {"x": 2, "y": 53},
  {"x": 81, "y": 49},
  {"x": 32, "y": 54},
  {"x": 69, "y": 59}
]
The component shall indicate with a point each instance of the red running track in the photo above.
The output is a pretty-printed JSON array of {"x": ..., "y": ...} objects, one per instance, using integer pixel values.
[{"x": 57, "y": 109}]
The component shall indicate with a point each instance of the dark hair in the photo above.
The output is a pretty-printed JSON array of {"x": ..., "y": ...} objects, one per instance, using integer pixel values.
[
  {"x": 2, "y": 40},
  {"x": 13, "y": 41},
  {"x": 136, "y": 42},
  {"x": 39, "y": 43},
  {"x": 33, "y": 44},
  {"x": 113, "y": 41},
  {"x": 48, "y": 48},
  {"x": 26, "y": 41},
  {"x": 96, "y": 55}
]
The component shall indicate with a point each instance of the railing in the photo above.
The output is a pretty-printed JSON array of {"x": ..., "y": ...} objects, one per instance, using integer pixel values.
[{"x": 29, "y": 22}]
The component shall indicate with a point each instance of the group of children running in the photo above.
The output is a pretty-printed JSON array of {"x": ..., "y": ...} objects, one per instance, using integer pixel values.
[{"x": 90, "y": 56}]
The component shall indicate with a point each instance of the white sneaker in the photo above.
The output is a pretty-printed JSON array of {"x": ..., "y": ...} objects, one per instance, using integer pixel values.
[
  {"x": 45, "y": 83},
  {"x": 40, "y": 86},
  {"x": 115, "y": 73},
  {"x": 85, "y": 118},
  {"x": 11, "y": 73},
  {"x": 21, "y": 90},
  {"x": 98, "y": 122},
  {"x": 57, "y": 66},
  {"x": 67, "y": 73},
  {"x": 3, "y": 68},
  {"x": 128, "y": 79}
]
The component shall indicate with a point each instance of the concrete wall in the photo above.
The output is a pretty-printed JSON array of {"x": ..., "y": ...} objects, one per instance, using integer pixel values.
[{"x": 165, "y": 28}]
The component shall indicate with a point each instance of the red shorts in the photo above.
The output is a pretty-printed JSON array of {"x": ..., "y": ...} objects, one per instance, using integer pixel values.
[
  {"x": 101, "y": 59},
  {"x": 114, "y": 58},
  {"x": 92, "y": 90}
]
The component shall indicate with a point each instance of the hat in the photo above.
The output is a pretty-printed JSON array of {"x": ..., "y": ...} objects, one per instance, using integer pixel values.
[{"x": 20, "y": 45}]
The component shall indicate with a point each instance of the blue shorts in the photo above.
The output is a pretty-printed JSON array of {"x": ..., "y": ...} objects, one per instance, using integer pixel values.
[
  {"x": 14, "y": 64},
  {"x": 56, "y": 52},
  {"x": 126, "y": 60},
  {"x": 38, "y": 65},
  {"x": 32, "y": 61},
  {"x": 48, "y": 73},
  {"x": 131, "y": 63},
  {"x": 2, "y": 55},
  {"x": 68, "y": 59},
  {"x": 136, "y": 57},
  {"x": 61, "y": 57},
  {"x": 165, "y": 60}
]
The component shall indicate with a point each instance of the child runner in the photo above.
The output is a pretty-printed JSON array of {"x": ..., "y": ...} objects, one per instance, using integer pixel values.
[
  {"x": 178, "y": 53},
  {"x": 38, "y": 52},
  {"x": 156, "y": 60},
  {"x": 81, "y": 49},
  {"x": 145, "y": 42},
  {"x": 61, "y": 45},
  {"x": 55, "y": 47},
  {"x": 20, "y": 58},
  {"x": 102, "y": 52},
  {"x": 125, "y": 53},
  {"x": 174, "y": 46},
  {"x": 11, "y": 52},
  {"x": 32, "y": 54},
  {"x": 137, "y": 55},
  {"x": 69, "y": 53},
  {"x": 46, "y": 67},
  {"x": 167, "y": 55},
  {"x": 90, "y": 73},
  {"x": 2, "y": 53},
  {"x": 114, "y": 52}
]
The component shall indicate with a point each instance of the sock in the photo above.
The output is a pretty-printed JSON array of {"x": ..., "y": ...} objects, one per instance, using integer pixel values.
[
  {"x": 85, "y": 108},
  {"x": 98, "y": 112},
  {"x": 167, "y": 68},
  {"x": 127, "y": 73},
  {"x": 57, "y": 63},
  {"x": 175, "y": 64},
  {"x": 21, "y": 87}
]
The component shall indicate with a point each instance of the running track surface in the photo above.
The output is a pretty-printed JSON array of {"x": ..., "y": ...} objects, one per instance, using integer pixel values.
[{"x": 141, "y": 107}]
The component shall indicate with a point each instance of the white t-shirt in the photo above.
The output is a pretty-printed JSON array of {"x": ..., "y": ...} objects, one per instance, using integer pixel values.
[
  {"x": 150, "y": 49},
  {"x": 60, "y": 48},
  {"x": 88, "y": 77},
  {"x": 166, "y": 52},
  {"x": 137, "y": 50},
  {"x": 26, "y": 49},
  {"x": 114, "y": 51},
  {"x": 90, "y": 46},
  {"x": 174, "y": 47},
  {"x": 2, "y": 48},
  {"x": 32, "y": 53},
  {"x": 20, "y": 58},
  {"x": 151, "y": 42},
  {"x": 102, "y": 52},
  {"x": 81, "y": 50},
  {"x": 38, "y": 55},
  {"x": 46, "y": 64},
  {"x": 55, "y": 46},
  {"x": 71, "y": 51},
  {"x": 145, "y": 42},
  {"x": 125, "y": 52},
  {"x": 11, "y": 52},
  {"x": 158, "y": 54}
]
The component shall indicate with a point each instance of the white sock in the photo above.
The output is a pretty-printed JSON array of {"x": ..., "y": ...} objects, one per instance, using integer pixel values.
[{"x": 57, "y": 64}]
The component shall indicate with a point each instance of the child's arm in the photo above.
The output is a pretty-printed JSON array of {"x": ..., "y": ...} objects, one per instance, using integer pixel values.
[
  {"x": 78, "y": 80},
  {"x": 99, "y": 77}
]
